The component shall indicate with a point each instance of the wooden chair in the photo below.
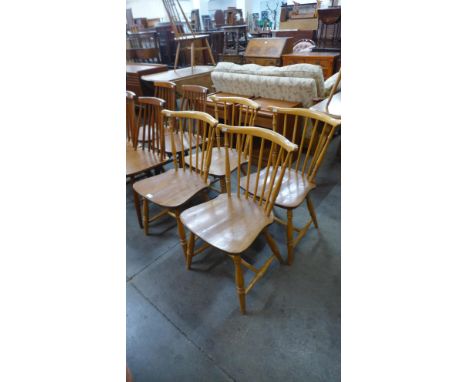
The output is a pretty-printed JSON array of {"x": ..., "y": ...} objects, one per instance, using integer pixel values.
[
  {"x": 150, "y": 153},
  {"x": 172, "y": 189},
  {"x": 232, "y": 221},
  {"x": 194, "y": 98},
  {"x": 185, "y": 39},
  {"x": 237, "y": 111},
  {"x": 166, "y": 90},
  {"x": 312, "y": 131}
]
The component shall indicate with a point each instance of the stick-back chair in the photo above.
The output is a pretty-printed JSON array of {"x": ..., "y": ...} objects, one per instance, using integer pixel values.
[
  {"x": 194, "y": 97},
  {"x": 312, "y": 131},
  {"x": 184, "y": 35},
  {"x": 149, "y": 154},
  {"x": 172, "y": 189},
  {"x": 236, "y": 111},
  {"x": 233, "y": 220}
]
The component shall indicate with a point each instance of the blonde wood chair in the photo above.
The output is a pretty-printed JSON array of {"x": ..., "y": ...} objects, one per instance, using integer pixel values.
[
  {"x": 237, "y": 111},
  {"x": 233, "y": 220},
  {"x": 194, "y": 97},
  {"x": 172, "y": 189},
  {"x": 312, "y": 131},
  {"x": 149, "y": 154},
  {"x": 184, "y": 35}
]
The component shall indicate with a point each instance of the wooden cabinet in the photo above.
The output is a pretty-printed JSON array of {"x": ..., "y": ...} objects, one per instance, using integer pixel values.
[
  {"x": 134, "y": 73},
  {"x": 267, "y": 51},
  {"x": 326, "y": 60}
]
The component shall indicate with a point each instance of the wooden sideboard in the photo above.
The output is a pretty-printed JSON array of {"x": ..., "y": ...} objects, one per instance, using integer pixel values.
[
  {"x": 327, "y": 60},
  {"x": 136, "y": 71},
  {"x": 267, "y": 51}
]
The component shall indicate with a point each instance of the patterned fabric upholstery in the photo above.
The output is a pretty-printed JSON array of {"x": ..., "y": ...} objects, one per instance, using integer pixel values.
[{"x": 300, "y": 82}]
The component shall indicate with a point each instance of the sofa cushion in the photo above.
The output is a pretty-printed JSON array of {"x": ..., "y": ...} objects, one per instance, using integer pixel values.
[
  {"x": 283, "y": 88},
  {"x": 294, "y": 71}
]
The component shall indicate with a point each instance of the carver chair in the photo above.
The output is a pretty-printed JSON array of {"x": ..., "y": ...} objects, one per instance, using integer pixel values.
[
  {"x": 233, "y": 220},
  {"x": 148, "y": 154},
  {"x": 172, "y": 189},
  {"x": 312, "y": 131}
]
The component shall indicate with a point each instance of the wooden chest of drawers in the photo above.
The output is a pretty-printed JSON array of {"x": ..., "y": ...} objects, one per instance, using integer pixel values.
[
  {"x": 267, "y": 51},
  {"x": 134, "y": 73},
  {"x": 326, "y": 60}
]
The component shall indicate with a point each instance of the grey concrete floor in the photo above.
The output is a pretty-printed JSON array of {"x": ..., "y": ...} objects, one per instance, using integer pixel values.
[{"x": 186, "y": 325}]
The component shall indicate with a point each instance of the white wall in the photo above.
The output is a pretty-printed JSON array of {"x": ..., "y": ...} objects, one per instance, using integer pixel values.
[{"x": 154, "y": 8}]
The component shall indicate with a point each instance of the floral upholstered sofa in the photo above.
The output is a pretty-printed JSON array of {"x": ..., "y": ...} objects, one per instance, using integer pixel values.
[{"x": 300, "y": 82}]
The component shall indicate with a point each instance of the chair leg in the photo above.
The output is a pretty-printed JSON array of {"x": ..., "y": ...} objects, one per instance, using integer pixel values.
[
  {"x": 191, "y": 245},
  {"x": 181, "y": 230},
  {"x": 222, "y": 183},
  {"x": 310, "y": 206},
  {"x": 290, "y": 239},
  {"x": 136, "y": 204},
  {"x": 192, "y": 54},
  {"x": 210, "y": 53},
  {"x": 176, "y": 61},
  {"x": 239, "y": 282},
  {"x": 145, "y": 216}
]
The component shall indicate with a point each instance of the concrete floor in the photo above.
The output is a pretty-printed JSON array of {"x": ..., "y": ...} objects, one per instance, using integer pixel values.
[{"x": 186, "y": 325}]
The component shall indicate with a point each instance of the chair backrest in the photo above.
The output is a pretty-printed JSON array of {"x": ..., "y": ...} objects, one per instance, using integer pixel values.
[
  {"x": 178, "y": 19},
  {"x": 274, "y": 148},
  {"x": 311, "y": 130},
  {"x": 166, "y": 90},
  {"x": 236, "y": 111},
  {"x": 194, "y": 130},
  {"x": 194, "y": 98},
  {"x": 130, "y": 119},
  {"x": 150, "y": 129}
]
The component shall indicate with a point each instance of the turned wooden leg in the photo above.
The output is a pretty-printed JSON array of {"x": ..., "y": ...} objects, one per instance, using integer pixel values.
[
  {"x": 181, "y": 230},
  {"x": 222, "y": 184},
  {"x": 177, "y": 56},
  {"x": 191, "y": 245},
  {"x": 239, "y": 282},
  {"x": 289, "y": 239},
  {"x": 136, "y": 204},
  {"x": 145, "y": 216},
  {"x": 310, "y": 206}
]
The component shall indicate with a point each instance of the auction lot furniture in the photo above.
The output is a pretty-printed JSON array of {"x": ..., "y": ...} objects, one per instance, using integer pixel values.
[
  {"x": 267, "y": 51},
  {"x": 233, "y": 220},
  {"x": 136, "y": 71},
  {"x": 294, "y": 83},
  {"x": 327, "y": 60},
  {"x": 172, "y": 189},
  {"x": 198, "y": 75},
  {"x": 312, "y": 131},
  {"x": 235, "y": 39}
]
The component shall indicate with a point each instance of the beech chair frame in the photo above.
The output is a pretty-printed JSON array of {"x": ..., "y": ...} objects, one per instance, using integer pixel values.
[
  {"x": 233, "y": 220},
  {"x": 313, "y": 137},
  {"x": 236, "y": 111},
  {"x": 147, "y": 154},
  {"x": 176, "y": 187}
]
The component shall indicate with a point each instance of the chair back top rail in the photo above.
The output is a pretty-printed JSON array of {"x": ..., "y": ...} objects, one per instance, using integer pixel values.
[
  {"x": 311, "y": 130},
  {"x": 265, "y": 190}
]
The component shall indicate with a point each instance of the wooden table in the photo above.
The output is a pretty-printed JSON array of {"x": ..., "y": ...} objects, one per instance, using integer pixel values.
[
  {"x": 200, "y": 75},
  {"x": 326, "y": 60},
  {"x": 136, "y": 71},
  {"x": 334, "y": 109}
]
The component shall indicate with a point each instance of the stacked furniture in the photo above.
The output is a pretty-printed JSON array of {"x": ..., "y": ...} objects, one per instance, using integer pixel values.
[
  {"x": 136, "y": 71},
  {"x": 267, "y": 51}
]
